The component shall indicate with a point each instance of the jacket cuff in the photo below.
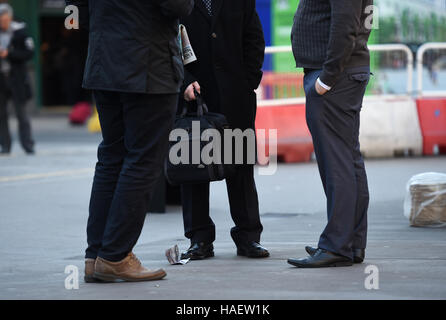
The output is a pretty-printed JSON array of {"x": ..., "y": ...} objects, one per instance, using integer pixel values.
[
  {"x": 328, "y": 79},
  {"x": 188, "y": 79},
  {"x": 323, "y": 85}
]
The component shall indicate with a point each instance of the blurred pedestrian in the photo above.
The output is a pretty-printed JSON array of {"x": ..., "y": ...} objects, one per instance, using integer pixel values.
[
  {"x": 16, "y": 49},
  {"x": 228, "y": 40},
  {"x": 135, "y": 69},
  {"x": 329, "y": 39}
]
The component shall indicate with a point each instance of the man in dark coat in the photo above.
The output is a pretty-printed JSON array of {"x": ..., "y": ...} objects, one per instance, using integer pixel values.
[
  {"x": 135, "y": 70},
  {"x": 329, "y": 40},
  {"x": 16, "y": 49},
  {"x": 227, "y": 38}
]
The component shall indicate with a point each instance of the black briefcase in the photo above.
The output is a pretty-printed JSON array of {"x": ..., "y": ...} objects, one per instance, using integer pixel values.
[{"x": 184, "y": 163}]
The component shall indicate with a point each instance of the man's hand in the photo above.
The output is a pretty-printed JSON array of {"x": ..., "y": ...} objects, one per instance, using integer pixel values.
[
  {"x": 189, "y": 94},
  {"x": 319, "y": 89},
  {"x": 4, "y": 54}
]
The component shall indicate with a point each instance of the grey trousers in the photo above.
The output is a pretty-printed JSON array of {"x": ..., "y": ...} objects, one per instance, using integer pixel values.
[{"x": 333, "y": 120}]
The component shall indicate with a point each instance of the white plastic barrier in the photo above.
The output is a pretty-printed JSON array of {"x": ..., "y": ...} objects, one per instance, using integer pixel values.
[
  {"x": 389, "y": 127},
  {"x": 420, "y": 54},
  {"x": 389, "y": 124}
]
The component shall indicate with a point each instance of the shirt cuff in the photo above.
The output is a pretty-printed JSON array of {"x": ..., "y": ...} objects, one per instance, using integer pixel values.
[{"x": 323, "y": 85}]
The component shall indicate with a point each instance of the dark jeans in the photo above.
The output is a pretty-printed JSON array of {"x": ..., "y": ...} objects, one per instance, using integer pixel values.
[
  {"x": 23, "y": 120},
  {"x": 243, "y": 202},
  {"x": 135, "y": 130},
  {"x": 333, "y": 120}
]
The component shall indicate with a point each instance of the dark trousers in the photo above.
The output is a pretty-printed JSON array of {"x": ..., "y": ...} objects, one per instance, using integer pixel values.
[
  {"x": 333, "y": 120},
  {"x": 244, "y": 207},
  {"x": 135, "y": 130},
  {"x": 23, "y": 120}
]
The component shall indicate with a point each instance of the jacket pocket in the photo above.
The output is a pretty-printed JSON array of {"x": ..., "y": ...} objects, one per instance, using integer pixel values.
[{"x": 359, "y": 77}]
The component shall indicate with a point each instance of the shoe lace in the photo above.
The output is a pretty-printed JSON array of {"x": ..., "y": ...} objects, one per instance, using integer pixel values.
[{"x": 134, "y": 259}]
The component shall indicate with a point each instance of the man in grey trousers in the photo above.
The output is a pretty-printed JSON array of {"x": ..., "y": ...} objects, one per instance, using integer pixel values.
[{"x": 329, "y": 40}]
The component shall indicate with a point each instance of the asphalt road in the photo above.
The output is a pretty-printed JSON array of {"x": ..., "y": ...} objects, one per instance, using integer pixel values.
[{"x": 44, "y": 208}]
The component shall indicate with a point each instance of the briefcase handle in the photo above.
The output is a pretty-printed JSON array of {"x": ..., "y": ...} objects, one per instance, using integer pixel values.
[{"x": 202, "y": 108}]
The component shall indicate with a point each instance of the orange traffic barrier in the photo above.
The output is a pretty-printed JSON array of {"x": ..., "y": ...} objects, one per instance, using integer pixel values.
[
  {"x": 294, "y": 143},
  {"x": 279, "y": 85},
  {"x": 432, "y": 116}
]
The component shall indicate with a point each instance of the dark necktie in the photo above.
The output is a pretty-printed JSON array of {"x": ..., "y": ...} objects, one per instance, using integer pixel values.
[{"x": 208, "y": 5}]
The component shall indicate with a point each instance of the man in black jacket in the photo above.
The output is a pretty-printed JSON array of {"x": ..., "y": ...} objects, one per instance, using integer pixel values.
[
  {"x": 135, "y": 70},
  {"x": 16, "y": 49},
  {"x": 329, "y": 39},
  {"x": 227, "y": 38}
]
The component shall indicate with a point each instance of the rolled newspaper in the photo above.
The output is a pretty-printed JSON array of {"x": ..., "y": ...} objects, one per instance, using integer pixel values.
[{"x": 187, "y": 50}]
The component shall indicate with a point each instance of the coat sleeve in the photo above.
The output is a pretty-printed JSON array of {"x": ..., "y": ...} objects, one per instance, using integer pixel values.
[
  {"x": 84, "y": 15},
  {"x": 345, "y": 24},
  {"x": 253, "y": 46},
  {"x": 175, "y": 8},
  {"x": 24, "y": 51},
  {"x": 188, "y": 79}
]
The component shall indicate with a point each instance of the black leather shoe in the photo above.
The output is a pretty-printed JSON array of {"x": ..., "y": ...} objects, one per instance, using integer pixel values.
[
  {"x": 199, "y": 251},
  {"x": 321, "y": 259},
  {"x": 358, "y": 254},
  {"x": 252, "y": 250},
  {"x": 30, "y": 151}
]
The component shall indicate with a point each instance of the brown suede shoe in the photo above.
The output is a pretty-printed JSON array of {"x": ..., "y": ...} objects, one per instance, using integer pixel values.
[
  {"x": 128, "y": 269},
  {"x": 89, "y": 270}
]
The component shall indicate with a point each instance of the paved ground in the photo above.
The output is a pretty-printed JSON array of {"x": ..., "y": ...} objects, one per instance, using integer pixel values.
[{"x": 43, "y": 211}]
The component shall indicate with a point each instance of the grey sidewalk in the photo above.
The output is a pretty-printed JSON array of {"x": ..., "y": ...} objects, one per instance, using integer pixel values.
[{"x": 43, "y": 212}]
